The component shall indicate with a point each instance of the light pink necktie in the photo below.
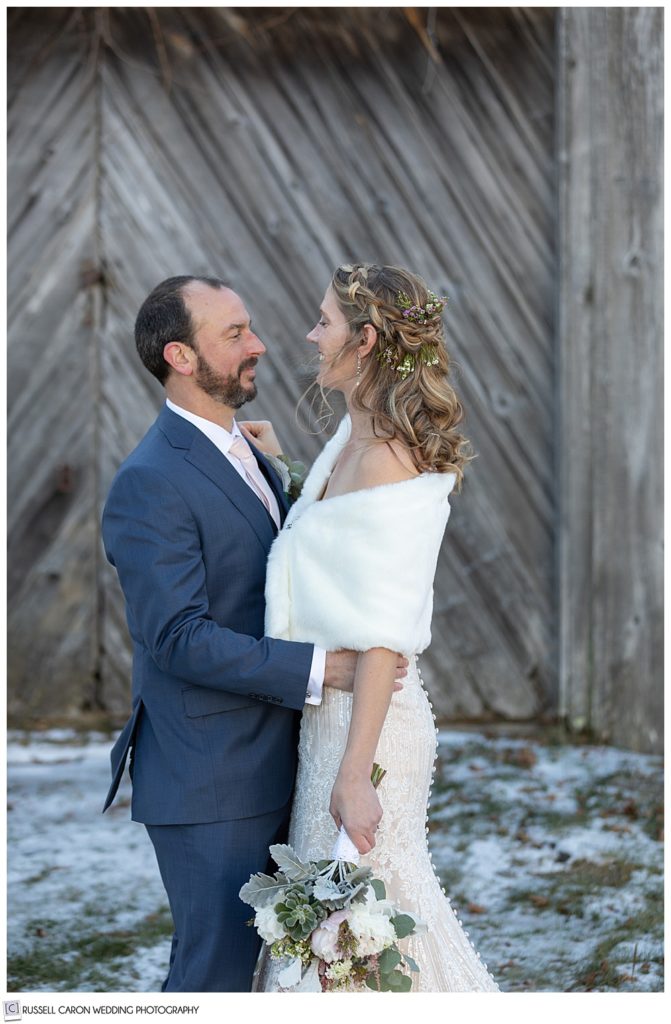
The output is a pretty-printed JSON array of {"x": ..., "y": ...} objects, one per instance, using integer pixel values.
[{"x": 244, "y": 453}]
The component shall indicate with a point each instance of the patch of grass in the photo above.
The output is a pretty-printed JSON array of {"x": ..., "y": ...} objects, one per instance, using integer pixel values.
[
  {"x": 636, "y": 796},
  {"x": 44, "y": 873},
  {"x": 601, "y": 970},
  {"x": 586, "y": 874},
  {"x": 62, "y": 962},
  {"x": 563, "y": 892}
]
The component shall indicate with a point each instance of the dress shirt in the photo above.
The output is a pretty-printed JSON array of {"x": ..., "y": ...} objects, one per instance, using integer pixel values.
[{"x": 223, "y": 439}]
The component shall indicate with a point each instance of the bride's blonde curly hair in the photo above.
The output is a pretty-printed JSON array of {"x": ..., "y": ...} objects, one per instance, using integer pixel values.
[{"x": 421, "y": 409}]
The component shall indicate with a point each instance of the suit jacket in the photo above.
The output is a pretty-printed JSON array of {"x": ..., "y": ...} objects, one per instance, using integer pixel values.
[{"x": 214, "y": 723}]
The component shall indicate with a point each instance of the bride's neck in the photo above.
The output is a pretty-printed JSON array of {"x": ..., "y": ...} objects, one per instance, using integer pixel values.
[{"x": 362, "y": 424}]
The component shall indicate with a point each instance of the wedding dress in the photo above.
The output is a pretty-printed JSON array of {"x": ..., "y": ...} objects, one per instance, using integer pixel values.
[{"x": 357, "y": 571}]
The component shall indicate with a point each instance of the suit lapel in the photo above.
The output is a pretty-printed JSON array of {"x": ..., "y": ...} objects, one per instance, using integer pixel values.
[
  {"x": 202, "y": 453},
  {"x": 209, "y": 460},
  {"x": 273, "y": 479}
]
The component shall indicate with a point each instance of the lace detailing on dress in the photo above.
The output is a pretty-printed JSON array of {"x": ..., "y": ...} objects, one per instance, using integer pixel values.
[{"x": 447, "y": 959}]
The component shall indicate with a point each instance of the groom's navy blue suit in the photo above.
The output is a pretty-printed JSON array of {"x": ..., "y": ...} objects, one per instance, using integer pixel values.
[{"x": 213, "y": 732}]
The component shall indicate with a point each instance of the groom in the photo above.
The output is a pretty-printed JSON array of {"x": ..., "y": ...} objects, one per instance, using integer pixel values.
[{"x": 212, "y": 737}]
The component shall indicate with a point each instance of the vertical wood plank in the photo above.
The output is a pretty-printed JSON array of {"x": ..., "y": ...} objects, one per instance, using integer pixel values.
[{"x": 610, "y": 371}]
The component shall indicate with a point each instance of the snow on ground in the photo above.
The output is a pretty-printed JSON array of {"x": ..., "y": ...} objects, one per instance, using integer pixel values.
[{"x": 552, "y": 855}]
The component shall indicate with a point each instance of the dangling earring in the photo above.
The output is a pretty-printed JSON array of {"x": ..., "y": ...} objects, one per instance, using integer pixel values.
[{"x": 358, "y": 369}]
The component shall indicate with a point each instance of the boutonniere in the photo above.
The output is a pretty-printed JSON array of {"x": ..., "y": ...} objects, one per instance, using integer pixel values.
[{"x": 292, "y": 474}]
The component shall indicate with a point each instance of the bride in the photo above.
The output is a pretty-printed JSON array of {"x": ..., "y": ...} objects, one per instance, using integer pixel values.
[{"x": 354, "y": 568}]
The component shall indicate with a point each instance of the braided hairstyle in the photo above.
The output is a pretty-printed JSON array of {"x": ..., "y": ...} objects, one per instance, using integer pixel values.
[{"x": 421, "y": 409}]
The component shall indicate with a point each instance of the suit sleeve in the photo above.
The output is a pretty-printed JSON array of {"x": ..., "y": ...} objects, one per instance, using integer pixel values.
[{"x": 152, "y": 540}]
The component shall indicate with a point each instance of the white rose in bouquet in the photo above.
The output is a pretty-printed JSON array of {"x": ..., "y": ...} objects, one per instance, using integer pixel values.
[
  {"x": 372, "y": 928},
  {"x": 267, "y": 925}
]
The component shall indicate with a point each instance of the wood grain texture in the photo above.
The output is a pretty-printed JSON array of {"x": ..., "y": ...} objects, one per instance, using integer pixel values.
[
  {"x": 270, "y": 164},
  {"x": 268, "y": 155},
  {"x": 610, "y": 372},
  {"x": 52, "y": 499}
]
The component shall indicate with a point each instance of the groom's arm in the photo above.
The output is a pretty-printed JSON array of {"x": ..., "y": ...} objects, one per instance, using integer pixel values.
[{"x": 151, "y": 538}]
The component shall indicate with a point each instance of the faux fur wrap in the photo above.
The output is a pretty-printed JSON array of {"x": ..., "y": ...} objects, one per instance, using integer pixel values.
[{"x": 357, "y": 570}]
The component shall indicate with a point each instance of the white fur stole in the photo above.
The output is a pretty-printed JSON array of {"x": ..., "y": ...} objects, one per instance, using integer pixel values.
[{"x": 356, "y": 571}]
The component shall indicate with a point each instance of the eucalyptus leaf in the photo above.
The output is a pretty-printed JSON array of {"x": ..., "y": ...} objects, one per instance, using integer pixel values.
[
  {"x": 402, "y": 983},
  {"x": 372, "y": 982},
  {"x": 378, "y": 886},
  {"x": 410, "y": 962},
  {"x": 290, "y": 863},
  {"x": 398, "y": 982},
  {"x": 389, "y": 958},
  {"x": 403, "y": 925}
]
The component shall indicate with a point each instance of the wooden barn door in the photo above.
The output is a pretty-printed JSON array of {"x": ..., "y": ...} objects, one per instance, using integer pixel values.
[
  {"x": 267, "y": 154},
  {"x": 271, "y": 160}
]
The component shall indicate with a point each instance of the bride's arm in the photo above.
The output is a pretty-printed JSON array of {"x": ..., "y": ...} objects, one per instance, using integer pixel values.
[{"x": 354, "y": 802}]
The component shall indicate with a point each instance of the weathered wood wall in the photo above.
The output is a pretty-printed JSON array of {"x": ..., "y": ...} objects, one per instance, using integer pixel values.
[
  {"x": 267, "y": 151},
  {"x": 273, "y": 162},
  {"x": 52, "y": 420},
  {"x": 610, "y": 371}
]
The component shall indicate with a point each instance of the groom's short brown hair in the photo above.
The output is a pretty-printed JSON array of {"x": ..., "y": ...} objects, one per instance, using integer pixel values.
[{"x": 163, "y": 317}]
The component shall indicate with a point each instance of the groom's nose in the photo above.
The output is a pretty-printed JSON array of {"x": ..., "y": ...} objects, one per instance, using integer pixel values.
[{"x": 256, "y": 346}]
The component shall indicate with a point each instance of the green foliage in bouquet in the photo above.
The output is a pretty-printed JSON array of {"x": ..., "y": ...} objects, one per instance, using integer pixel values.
[
  {"x": 300, "y": 896},
  {"x": 333, "y": 884},
  {"x": 298, "y": 915},
  {"x": 335, "y": 914}
]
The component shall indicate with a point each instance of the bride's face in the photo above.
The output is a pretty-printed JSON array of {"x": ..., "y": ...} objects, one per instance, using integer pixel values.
[{"x": 330, "y": 334}]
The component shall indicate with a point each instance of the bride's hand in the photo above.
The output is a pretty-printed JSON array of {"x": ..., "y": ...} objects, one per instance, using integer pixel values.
[
  {"x": 262, "y": 434},
  {"x": 355, "y": 804}
]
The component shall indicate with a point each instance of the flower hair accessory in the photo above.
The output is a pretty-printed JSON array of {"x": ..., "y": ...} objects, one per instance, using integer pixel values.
[
  {"x": 421, "y": 314},
  {"x": 405, "y": 362}
]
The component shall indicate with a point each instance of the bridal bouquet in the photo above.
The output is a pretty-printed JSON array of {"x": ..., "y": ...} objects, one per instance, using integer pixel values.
[{"x": 333, "y": 919}]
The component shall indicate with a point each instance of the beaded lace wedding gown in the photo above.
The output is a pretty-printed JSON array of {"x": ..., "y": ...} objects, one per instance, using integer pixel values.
[{"x": 357, "y": 571}]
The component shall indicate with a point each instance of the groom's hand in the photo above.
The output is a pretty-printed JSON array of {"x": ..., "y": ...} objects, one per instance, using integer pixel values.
[{"x": 341, "y": 666}]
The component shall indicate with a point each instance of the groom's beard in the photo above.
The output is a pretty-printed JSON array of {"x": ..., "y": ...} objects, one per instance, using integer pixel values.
[{"x": 229, "y": 390}]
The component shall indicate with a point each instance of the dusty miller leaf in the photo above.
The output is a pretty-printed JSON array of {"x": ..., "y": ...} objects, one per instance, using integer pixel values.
[
  {"x": 289, "y": 863},
  {"x": 327, "y": 891},
  {"x": 261, "y": 890}
]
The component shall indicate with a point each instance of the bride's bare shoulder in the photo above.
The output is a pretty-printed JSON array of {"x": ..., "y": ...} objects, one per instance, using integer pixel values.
[{"x": 386, "y": 463}]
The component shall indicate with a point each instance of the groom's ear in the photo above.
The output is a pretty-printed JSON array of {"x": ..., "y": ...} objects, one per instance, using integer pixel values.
[{"x": 179, "y": 358}]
